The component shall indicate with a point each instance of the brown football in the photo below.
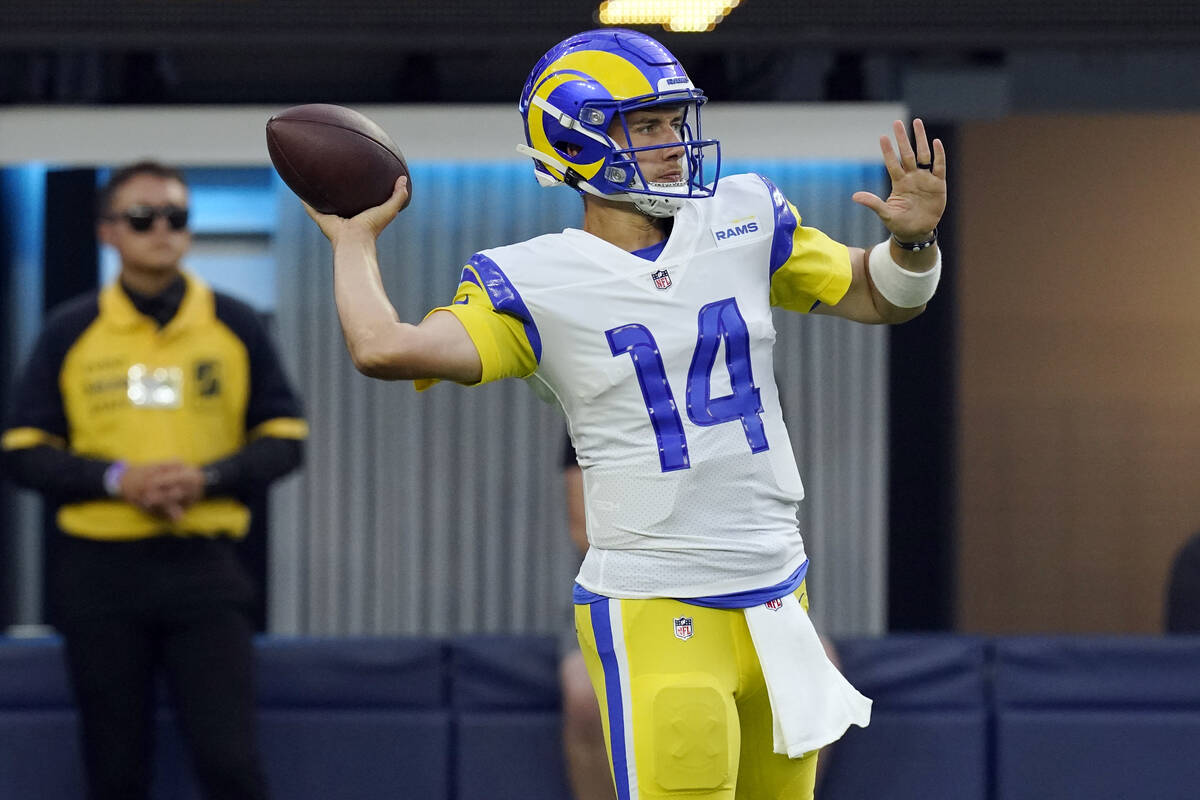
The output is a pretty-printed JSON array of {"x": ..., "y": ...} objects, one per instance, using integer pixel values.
[{"x": 334, "y": 158}]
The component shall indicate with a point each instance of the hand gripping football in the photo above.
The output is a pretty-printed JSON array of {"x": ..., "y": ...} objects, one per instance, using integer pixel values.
[{"x": 334, "y": 158}]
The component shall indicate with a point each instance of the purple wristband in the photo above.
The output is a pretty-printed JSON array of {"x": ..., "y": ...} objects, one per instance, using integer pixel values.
[{"x": 112, "y": 478}]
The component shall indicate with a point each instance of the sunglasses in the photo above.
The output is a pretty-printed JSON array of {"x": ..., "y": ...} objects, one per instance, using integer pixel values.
[{"x": 141, "y": 218}]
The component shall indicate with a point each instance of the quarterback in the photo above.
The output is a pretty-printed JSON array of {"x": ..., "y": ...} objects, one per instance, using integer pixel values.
[{"x": 651, "y": 327}]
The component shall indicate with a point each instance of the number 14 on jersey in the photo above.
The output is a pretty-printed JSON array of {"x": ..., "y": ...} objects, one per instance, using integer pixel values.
[{"x": 719, "y": 322}]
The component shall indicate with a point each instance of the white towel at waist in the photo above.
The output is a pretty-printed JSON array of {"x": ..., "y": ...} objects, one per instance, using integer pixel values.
[{"x": 811, "y": 703}]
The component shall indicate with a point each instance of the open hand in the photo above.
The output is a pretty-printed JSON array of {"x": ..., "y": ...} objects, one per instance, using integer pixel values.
[{"x": 918, "y": 197}]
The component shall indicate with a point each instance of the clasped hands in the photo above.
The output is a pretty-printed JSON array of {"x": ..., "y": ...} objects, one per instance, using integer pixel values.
[{"x": 164, "y": 489}]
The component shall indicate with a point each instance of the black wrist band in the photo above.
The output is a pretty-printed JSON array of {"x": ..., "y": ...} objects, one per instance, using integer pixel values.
[
  {"x": 212, "y": 477},
  {"x": 917, "y": 247}
]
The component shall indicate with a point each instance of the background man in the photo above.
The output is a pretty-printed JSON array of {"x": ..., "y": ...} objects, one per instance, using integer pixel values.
[{"x": 145, "y": 411}]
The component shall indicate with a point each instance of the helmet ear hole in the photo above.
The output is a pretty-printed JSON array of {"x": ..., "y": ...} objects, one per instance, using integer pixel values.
[{"x": 567, "y": 149}]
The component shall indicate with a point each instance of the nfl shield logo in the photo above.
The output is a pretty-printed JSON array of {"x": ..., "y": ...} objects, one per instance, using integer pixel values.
[
  {"x": 662, "y": 279},
  {"x": 683, "y": 628},
  {"x": 775, "y": 604}
]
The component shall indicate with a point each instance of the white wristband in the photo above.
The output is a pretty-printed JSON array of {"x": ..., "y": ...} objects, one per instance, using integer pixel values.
[{"x": 901, "y": 287}]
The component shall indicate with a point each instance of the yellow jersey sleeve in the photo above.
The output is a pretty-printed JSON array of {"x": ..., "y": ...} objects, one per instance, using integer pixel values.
[
  {"x": 812, "y": 267},
  {"x": 504, "y": 335}
]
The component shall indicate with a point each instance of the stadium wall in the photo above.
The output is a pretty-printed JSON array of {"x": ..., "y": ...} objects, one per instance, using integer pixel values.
[
  {"x": 477, "y": 718},
  {"x": 1078, "y": 449}
]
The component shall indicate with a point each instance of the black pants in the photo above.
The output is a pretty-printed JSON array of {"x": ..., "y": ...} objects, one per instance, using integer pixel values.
[{"x": 129, "y": 611}]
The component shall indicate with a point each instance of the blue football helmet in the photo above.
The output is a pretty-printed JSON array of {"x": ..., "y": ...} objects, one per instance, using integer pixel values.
[{"x": 585, "y": 84}]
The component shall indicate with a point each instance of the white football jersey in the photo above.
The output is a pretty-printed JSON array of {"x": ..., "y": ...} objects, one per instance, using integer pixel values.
[{"x": 665, "y": 372}]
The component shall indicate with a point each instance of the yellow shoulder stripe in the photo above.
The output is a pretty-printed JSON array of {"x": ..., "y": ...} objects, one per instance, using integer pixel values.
[
  {"x": 25, "y": 438},
  {"x": 281, "y": 428}
]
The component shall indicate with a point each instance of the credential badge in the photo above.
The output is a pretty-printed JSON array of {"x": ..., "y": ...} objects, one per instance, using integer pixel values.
[
  {"x": 662, "y": 279},
  {"x": 683, "y": 628},
  {"x": 154, "y": 387}
]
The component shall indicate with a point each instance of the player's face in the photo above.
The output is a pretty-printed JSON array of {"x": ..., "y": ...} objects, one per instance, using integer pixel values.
[
  {"x": 155, "y": 248},
  {"x": 654, "y": 126}
]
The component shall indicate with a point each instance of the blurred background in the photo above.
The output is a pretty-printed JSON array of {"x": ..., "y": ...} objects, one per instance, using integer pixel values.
[
  {"x": 1021, "y": 459},
  {"x": 996, "y": 490}
]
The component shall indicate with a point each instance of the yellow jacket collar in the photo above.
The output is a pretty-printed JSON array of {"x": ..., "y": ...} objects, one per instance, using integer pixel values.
[{"x": 197, "y": 306}]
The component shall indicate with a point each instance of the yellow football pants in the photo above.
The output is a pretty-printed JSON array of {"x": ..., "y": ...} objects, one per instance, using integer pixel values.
[{"x": 684, "y": 705}]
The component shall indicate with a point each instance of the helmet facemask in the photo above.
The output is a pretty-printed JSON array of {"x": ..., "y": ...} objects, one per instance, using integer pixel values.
[{"x": 624, "y": 176}]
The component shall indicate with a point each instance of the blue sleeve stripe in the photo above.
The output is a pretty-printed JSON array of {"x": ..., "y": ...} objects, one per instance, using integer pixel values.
[
  {"x": 468, "y": 274},
  {"x": 753, "y": 597},
  {"x": 505, "y": 298},
  {"x": 602, "y": 628},
  {"x": 785, "y": 227}
]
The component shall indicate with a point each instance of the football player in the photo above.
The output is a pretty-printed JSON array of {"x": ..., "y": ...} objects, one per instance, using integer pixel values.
[{"x": 651, "y": 326}]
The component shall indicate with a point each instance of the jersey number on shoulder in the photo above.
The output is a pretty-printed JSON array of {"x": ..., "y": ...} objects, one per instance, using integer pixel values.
[{"x": 718, "y": 322}]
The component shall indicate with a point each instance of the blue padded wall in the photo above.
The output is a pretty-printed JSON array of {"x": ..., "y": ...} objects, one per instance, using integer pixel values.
[
  {"x": 478, "y": 718},
  {"x": 505, "y": 695},
  {"x": 355, "y": 719},
  {"x": 339, "y": 719},
  {"x": 1097, "y": 718},
  {"x": 928, "y": 736},
  {"x": 39, "y": 753}
]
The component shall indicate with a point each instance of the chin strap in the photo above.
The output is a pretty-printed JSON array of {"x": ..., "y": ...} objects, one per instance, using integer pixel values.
[
  {"x": 650, "y": 205},
  {"x": 550, "y": 161},
  {"x": 542, "y": 178},
  {"x": 554, "y": 163},
  {"x": 656, "y": 205},
  {"x": 549, "y": 180}
]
